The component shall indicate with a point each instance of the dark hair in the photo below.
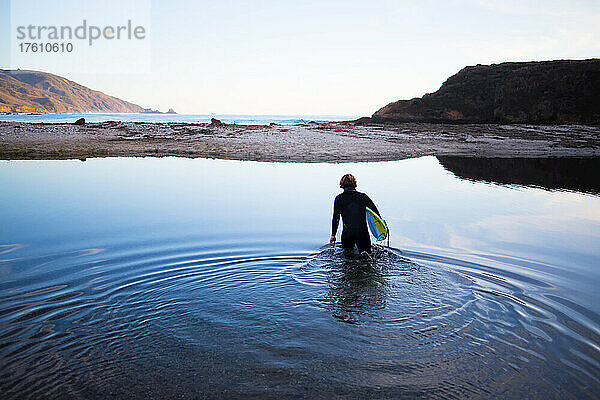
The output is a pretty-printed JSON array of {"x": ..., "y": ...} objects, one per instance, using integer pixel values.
[{"x": 348, "y": 180}]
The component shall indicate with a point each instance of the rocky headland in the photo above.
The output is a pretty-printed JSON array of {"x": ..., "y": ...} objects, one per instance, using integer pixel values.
[
  {"x": 25, "y": 91},
  {"x": 547, "y": 92}
]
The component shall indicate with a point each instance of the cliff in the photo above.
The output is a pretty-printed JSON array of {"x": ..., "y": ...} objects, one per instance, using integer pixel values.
[
  {"x": 552, "y": 92},
  {"x": 41, "y": 92}
]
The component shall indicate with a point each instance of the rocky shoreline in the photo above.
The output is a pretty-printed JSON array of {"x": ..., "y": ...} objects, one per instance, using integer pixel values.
[{"x": 311, "y": 142}]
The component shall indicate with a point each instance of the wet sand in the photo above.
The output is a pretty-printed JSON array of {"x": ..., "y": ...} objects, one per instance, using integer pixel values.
[{"x": 311, "y": 142}]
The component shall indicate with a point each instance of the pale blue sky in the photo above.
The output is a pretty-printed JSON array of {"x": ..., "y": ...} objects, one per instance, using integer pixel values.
[{"x": 322, "y": 57}]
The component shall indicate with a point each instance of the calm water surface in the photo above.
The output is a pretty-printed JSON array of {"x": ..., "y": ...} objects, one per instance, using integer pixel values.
[{"x": 177, "y": 278}]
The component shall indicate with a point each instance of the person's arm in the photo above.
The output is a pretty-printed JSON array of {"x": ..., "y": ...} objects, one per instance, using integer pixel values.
[
  {"x": 335, "y": 221},
  {"x": 372, "y": 205}
]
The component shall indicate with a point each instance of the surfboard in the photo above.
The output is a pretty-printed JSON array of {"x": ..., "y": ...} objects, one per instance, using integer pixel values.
[{"x": 377, "y": 226}]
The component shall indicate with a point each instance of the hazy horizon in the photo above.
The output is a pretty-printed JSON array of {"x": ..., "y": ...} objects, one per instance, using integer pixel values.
[{"x": 314, "y": 58}]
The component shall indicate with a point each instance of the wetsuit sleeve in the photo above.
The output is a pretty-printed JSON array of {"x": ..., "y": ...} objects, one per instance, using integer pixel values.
[
  {"x": 372, "y": 205},
  {"x": 337, "y": 211}
]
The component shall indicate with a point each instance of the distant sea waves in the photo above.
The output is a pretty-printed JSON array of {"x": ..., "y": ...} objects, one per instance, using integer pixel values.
[{"x": 184, "y": 118}]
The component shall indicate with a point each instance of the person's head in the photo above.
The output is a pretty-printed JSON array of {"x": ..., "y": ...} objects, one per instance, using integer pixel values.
[{"x": 347, "y": 181}]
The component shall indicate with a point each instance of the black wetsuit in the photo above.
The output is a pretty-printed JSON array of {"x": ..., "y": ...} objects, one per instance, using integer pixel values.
[{"x": 351, "y": 206}]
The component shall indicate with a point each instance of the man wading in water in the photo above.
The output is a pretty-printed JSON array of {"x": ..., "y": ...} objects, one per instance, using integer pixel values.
[{"x": 351, "y": 205}]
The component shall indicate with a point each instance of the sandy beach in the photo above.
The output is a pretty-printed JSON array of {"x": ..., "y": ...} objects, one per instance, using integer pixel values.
[{"x": 311, "y": 142}]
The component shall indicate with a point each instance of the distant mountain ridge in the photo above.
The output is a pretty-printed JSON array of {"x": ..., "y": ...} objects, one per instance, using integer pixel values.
[
  {"x": 24, "y": 91},
  {"x": 562, "y": 91}
]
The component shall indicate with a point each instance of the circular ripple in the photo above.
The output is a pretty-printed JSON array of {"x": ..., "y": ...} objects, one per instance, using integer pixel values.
[{"x": 91, "y": 322}]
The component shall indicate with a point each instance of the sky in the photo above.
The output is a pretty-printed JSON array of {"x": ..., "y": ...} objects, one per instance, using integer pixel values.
[{"x": 346, "y": 58}]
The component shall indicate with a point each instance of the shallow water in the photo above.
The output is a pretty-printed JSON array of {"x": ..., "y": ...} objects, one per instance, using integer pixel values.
[{"x": 155, "y": 278}]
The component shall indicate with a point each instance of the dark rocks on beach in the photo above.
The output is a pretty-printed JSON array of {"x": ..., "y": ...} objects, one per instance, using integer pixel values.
[
  {"x": 80, "y": 121},
  {"x": 327, "y": 142},
  {"x": 547, "y": 92},
  {"x": 215, "y": 122}
]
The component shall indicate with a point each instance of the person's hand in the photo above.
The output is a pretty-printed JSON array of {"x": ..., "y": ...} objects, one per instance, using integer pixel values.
[{"x": 332, "y": 241}]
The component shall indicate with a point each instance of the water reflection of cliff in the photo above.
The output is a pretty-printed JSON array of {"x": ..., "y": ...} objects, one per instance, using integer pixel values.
[{"x": 580, "y": 174}]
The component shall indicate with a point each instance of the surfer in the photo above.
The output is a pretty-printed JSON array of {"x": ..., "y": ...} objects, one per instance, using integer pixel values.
[{"x": 351, "y": 206}]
